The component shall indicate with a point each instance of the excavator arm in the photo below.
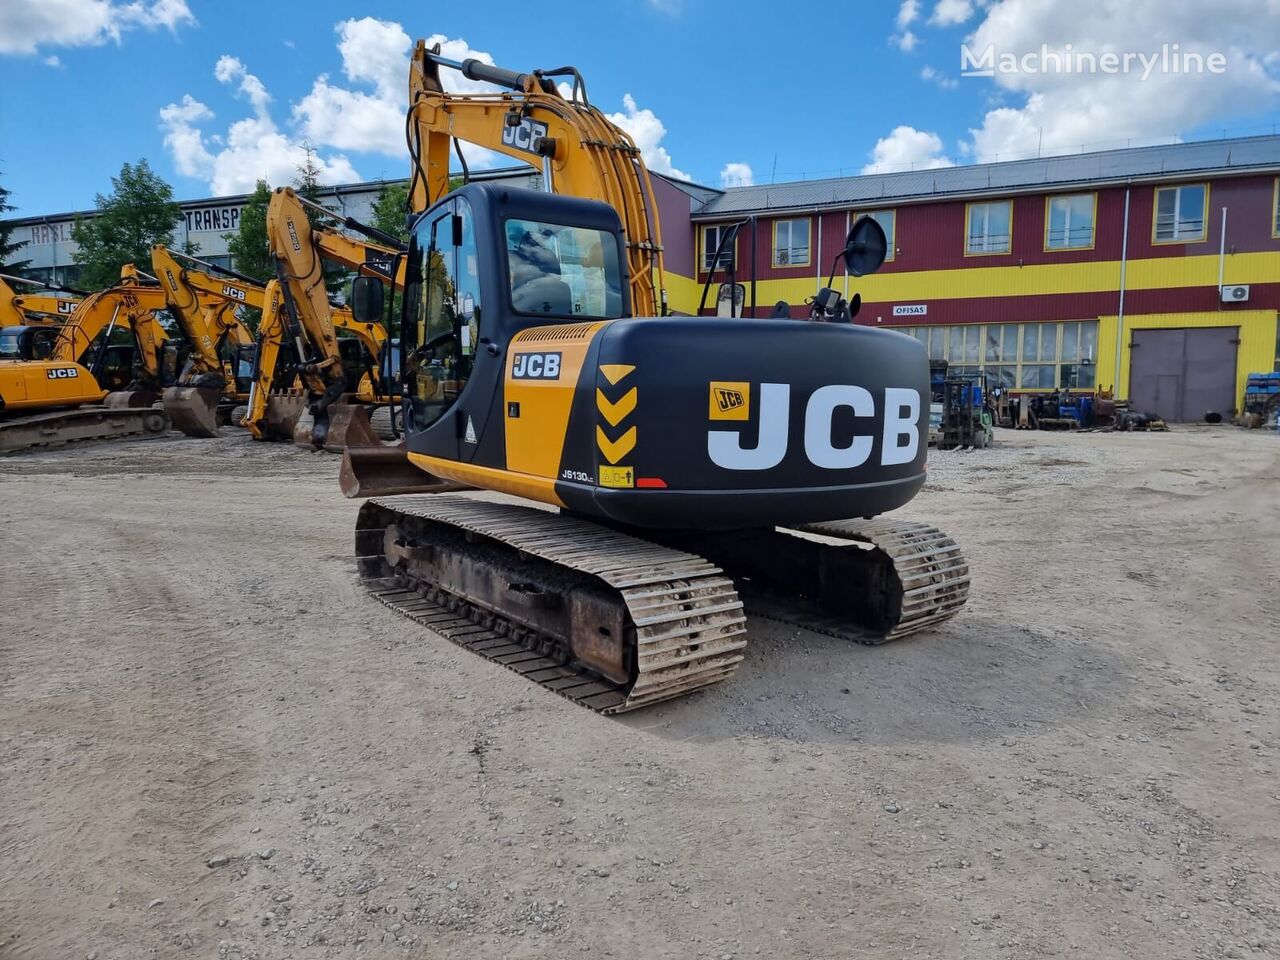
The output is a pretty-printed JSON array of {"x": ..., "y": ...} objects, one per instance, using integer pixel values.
[
  {"x": 577, "y": 149},
  {"x": 311, "y": 322},
  {"x": 30, "y": 309},
  {"x": 128, "y": 304},
  {"x": 204, "y": 307}
]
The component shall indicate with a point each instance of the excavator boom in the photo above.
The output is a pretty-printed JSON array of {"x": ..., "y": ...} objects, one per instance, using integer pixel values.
[{"x": 575, "y": 147}]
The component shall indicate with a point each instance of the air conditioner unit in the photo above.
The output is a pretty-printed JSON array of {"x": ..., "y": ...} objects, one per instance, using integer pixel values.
[{"x": 1236, "y": 294}]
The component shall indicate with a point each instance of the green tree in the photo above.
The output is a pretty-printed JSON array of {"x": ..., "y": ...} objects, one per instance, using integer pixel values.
[
  {"x": 9, "y": 247},
  {"x": 389, "y": 210},
  {"x": 248, "y": 246},
  {"x": 139, "y": 213}
]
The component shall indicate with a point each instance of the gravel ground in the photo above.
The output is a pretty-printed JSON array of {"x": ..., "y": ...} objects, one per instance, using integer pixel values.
[{"x": 212, "y": 744}]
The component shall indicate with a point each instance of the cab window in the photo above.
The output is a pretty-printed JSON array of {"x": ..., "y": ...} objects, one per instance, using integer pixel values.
[
  {"x": 562, "y": 271},
  {"x": 442, "y": 327}
]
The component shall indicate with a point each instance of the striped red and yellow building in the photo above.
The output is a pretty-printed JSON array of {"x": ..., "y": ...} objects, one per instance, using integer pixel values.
[{"x": 1044, "y": 273}]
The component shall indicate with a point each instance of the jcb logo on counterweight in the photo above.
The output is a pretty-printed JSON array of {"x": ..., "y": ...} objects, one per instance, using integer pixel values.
[
  {"x": 898, "y": 427},
  {"x": 62, "y": 373},
  {"x": 730, "y": 401}
]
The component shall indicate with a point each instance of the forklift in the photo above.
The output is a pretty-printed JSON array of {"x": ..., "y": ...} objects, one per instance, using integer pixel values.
[{"x": 966, "y": 415}]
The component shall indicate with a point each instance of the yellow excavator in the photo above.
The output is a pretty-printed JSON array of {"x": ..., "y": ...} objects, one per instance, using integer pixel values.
[
  {"x": 342, "y": 378},
  {"x": 67, "y": 396},
  {"x": 29, "y": 321},
  {"x": 215, "y": 378},
  {"x": 700, "y": 466}
]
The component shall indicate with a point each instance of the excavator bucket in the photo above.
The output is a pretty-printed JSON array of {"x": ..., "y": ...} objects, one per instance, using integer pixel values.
[
  {"x": 382, "y": 471},
  {"x": 350, "y": 426},
  {"x": 283, "y": 410},
  {"x": 129, "y": 399},
  {"x": 193, "y": 410}
]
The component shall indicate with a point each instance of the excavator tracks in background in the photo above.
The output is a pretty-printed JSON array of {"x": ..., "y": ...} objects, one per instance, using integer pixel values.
[
  {"x": 56, "y": 428},
  {"x": 615, "y": 622},
  {"x": 609, "y": 621}
]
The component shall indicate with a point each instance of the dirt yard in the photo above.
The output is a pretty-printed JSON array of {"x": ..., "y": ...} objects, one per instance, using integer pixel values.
[{"x": 212, "y": 744}]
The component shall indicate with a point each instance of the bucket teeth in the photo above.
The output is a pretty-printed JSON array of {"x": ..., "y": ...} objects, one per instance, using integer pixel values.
[{"x": 193, "y": 410}]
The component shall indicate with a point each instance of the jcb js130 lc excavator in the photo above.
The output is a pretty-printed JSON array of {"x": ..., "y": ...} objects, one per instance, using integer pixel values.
[{"x": 697, "y": 463}]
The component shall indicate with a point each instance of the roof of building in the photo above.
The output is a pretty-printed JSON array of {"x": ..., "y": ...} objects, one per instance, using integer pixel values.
[
  {"x": 325, "y": 190},
  {"x": 1111, "y": 166}
]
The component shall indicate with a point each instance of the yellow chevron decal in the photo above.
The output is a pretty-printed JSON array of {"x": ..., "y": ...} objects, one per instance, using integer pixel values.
[
  {"x": 613, "y": 372},
  {"x": 615, "y": 413},
  {"x": 615, "y": 450}
]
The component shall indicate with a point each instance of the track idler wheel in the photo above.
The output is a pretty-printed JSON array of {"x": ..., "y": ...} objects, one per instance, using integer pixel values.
[{"x": 193, "y": 410}]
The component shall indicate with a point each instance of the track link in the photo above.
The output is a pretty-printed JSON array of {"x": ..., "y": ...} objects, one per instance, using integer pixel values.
[
  {"x": 684, "y": 621},
  {"x": 924, "y": 581},
  {"x": 84, "y": 424}
]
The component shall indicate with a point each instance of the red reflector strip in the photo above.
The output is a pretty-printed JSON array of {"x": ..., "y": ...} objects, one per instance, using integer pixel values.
[{"x": 653, "y": 483}]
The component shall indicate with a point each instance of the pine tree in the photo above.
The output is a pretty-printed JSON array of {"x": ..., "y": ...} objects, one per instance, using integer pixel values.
[
  {"x": 8, "y": 263},
  {"x": 307, "y": 184}
]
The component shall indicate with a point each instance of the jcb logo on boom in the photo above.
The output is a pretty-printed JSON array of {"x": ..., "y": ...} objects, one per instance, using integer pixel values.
[
  {"x": 66, "y": 306},
  {"x": 233, "y": 293},
  {"x": 527, "y": 135},
  {"x": 899, "y": 434},
  {"x": 62, "y": 373}
]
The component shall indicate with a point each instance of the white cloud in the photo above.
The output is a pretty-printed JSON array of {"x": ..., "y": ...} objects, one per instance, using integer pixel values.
[
  {"x": 365, "y": 113},
  {"x": 905, "y": 41},
  {"x": 252, "y": 149},
  {"x": 1062, "y": 112},
  {"x": 948, "y": 13},
  {"x": 26, "y": 25},
  {"x": 907, "y": 148},
  {"x": 908, "y": 13},
  {"x": 737, "y": 175},
  {"x": 183, "y": 138},
  {"x": 937, "y": 76},
  {"x": 51, "y": 61},
  {"x": 647, "y": 131}
]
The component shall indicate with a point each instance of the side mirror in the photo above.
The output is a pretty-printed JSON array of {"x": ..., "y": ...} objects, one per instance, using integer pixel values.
[
  {"x": 366, "y": 299},
  {"x": 865, "y": 248}
]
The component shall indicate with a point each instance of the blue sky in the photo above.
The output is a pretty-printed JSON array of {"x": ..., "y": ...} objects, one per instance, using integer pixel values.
[{"x": 216, "y": 94}]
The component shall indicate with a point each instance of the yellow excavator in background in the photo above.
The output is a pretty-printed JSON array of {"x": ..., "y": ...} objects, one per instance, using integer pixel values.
[
  {"x": 341, "y": 385},
  {"x": 215, "y": 378},
  {"x": 29, "y": 321},
  {"x": 699, "y": 464},
  {"x": 60, "y": 399}
]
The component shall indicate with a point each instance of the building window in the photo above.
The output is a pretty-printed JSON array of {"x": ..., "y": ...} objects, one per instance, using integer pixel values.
[
  {"x": 1180, "y": 213},
  {"x": 1069, "y": 223},
  {"x": 888, "y": 220},
  {"x": 1017, "y": 356},
  {"x": 711, "y": 237},
  {"x": 1275, "y": 210},
  {"x": 791, "y": 243},
  {"x": 990, "y": 228}
]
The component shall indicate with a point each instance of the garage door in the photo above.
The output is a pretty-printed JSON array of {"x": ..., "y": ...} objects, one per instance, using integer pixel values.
[{"x": 1181, "y": 374}]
